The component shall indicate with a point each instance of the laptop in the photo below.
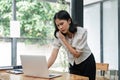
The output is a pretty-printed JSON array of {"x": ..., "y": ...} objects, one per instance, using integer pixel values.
[{"x": 36, "y": 65}]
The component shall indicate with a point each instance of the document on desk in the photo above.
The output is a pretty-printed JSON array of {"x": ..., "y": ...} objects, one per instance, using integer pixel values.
[{"x": 15, "y": 71}]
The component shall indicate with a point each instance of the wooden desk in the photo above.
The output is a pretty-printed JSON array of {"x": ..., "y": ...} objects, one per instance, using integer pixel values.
[{"x": 65, "y": 76}]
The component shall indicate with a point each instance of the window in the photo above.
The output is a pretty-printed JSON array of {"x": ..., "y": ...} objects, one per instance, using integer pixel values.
[{"x": 36, "y": 29}]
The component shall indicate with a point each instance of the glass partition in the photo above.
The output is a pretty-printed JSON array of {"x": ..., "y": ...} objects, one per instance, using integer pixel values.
[
  {"x": 110, "y": 33},
  {"x": 92, "y": 24},
  {"x": 5, "y": 52}
]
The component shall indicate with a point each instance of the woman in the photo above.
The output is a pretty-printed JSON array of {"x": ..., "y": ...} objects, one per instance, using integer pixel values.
[{"x": 74, "y": 40}]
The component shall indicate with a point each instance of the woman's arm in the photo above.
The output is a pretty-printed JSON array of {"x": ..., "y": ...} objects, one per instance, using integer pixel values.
[
  {"x": 70, "y": 48},
  {"x": 53, "y": 57}
]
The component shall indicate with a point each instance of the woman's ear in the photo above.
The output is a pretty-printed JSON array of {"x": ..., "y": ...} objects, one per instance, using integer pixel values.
[{"x": 69, "y": 21}]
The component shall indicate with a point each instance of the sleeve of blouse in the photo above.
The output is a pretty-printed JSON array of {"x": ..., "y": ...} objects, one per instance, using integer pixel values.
[
  {"x": 56, "y": 43},
  {"x": 81, "y": 42}
]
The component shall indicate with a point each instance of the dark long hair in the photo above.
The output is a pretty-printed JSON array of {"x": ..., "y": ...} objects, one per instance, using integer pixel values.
[{"x": 64, "y": 15}]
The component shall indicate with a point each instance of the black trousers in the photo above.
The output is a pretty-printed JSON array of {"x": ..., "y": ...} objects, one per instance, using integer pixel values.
[{"x": 86, "y": 68}]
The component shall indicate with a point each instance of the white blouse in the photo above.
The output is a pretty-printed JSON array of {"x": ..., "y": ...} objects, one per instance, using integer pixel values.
[{"x": 79, "y": 42}]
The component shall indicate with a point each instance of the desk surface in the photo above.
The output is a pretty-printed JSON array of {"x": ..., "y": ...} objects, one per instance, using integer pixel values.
[{"x": 65, "y": 76}]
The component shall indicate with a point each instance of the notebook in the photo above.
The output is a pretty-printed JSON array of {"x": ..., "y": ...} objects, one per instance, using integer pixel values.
[{"x": 36, "y": 65}]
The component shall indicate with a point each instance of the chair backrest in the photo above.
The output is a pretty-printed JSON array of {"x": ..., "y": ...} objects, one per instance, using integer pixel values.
[
  {"x": 102, "y": 66},
  {"x": 101, "y": 71}
]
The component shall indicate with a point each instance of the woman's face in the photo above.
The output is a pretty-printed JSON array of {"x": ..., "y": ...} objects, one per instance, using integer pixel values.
[{"x": 63, "y": 25}]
